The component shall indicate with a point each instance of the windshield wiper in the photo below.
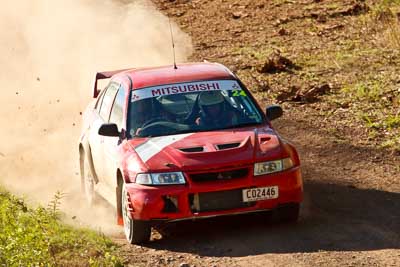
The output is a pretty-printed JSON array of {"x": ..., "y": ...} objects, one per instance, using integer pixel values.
[{"x": 246, "y": 124}]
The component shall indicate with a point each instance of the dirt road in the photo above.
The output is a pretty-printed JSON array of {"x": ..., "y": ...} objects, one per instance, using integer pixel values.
[
  {"x": 345, "y": 221},
  {"x": 351, "y": 214}
]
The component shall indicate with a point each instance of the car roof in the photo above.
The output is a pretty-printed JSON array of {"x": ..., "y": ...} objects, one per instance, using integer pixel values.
[{"x": 187, "y": 72}]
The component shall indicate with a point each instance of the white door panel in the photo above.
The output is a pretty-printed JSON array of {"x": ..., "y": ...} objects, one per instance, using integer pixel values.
[
  {"x": 96, "y": 146},
  {"x": 111, "y": 160}
]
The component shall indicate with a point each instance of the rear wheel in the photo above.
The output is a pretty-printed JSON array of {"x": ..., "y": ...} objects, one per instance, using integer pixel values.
[
  {"x": 289, "y": 213},
  {"x": 88, "y": 183},
  {"x": 136, "y": 232}
]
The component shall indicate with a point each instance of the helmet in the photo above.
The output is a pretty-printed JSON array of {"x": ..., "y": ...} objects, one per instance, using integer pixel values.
[{"x": 210, "y": 98}]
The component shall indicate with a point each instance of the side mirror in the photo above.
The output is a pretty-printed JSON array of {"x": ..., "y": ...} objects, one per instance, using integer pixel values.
[
  {"x": 273, "y": 112},
  {"x": 109, "y": 129}
]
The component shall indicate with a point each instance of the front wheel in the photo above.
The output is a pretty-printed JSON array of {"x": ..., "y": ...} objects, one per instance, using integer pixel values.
[{"x": 136, "y": 232}]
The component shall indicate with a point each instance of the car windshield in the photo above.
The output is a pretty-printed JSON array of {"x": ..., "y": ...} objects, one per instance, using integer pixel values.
[{"x": 190, "y": 107}]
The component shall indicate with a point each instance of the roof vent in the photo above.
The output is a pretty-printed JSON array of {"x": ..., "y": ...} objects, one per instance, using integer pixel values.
[{"x": 227, "y": 146}]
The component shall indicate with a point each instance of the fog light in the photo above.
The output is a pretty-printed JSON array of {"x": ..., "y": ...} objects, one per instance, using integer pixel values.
[{"x": 170, "y": 204}]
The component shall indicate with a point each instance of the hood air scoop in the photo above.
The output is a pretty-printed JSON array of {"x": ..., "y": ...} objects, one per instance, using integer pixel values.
[
  {"x": 202, "y": 149},
  {"x": 192, "y": 149},
  {"x": 227, "y": 146}
]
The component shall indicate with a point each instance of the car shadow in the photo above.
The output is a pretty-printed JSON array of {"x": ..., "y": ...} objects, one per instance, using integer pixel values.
[
  {"x": 334, "y": 218},
  {"x": 339, "y": 212}
]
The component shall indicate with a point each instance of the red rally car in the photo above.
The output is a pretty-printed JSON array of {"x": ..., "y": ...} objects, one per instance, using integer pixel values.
[{"x": 166, "y": 144}]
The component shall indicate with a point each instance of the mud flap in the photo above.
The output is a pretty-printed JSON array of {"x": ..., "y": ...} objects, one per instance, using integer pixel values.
[{"x": 118, "y": 193}]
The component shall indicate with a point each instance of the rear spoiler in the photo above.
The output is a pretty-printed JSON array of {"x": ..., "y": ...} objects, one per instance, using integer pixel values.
[{"x": 103, "y": 75}]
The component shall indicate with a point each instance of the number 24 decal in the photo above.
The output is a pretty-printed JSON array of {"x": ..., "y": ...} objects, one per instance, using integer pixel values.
[{"x": 239, "y": 93}]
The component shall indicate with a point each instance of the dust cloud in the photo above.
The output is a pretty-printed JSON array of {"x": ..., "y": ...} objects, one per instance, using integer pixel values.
[{"x": 49, "y": 52}]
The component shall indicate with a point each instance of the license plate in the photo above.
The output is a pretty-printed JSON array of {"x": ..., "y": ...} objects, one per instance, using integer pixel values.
[{"x": 260, "y": 193}]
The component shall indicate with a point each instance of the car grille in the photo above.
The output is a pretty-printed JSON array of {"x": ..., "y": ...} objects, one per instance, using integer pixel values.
[
  {"x": 221, "y": 175},
  {"x": 217, "y": 201}
]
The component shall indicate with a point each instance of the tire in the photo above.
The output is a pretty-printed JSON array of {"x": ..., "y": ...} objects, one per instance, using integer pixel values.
[
  {"x": 88, "y": 183},
  {"x": 136, "y": 232},
  {"x": 289, "y": 213}
]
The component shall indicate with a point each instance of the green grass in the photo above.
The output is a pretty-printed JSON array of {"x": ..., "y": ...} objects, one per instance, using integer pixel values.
[
  {"x": 392, "y": 143},
  {"x": 36, "y": 237},
  {"x": 365, "y": 91},
  {"x": 389, "y": 122},
  {"x": 383, "y": 20},
  {"x": 374, "y": 101}
]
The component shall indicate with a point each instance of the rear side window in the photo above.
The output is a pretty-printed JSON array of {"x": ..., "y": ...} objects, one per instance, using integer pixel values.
[
  {"x": 107, "y": 101},
  {"x": 99, "y": 100},
  {"x": 117, "y": 109}
]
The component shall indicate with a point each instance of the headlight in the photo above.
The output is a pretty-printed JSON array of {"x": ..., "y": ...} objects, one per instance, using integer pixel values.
[
  {"x": 160, "y": 178},
  {"x": 267, "y": 167},
  {"x": 143, "y": 178}
]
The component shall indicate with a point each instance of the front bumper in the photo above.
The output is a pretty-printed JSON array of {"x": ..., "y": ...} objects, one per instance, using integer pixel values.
[{"x": 176, "y": 202}]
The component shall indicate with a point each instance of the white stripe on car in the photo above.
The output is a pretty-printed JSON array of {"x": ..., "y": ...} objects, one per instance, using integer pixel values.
[{"x": 154, "y": 145}]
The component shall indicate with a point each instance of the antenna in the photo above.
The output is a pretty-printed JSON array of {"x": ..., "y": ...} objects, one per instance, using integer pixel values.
[{"x": 173, "y": 44}]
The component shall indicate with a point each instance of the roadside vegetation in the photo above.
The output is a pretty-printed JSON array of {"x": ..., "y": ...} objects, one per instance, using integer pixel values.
[
  {"x": 371, "y": 97},
  {"x": 334, "y": 63},
  {"x": 368, "y": 96},
  {"x": 36, "y": 237}
]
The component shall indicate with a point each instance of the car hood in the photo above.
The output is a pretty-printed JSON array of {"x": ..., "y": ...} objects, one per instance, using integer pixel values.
[{"x": 208, "y": 150}]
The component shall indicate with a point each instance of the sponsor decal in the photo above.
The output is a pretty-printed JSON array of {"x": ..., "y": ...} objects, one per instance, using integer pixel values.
[
  {"x": 237, "y": 93},
  {"x": 135, "y": 97},
  {"x": 181, "y": 88}
]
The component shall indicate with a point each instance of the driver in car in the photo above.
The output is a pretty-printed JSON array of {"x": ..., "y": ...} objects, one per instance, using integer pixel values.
[
  {"x": 214, "y": 111},
  {"x": 144, "y": 112},
  {"x": 139, "y": 115}
]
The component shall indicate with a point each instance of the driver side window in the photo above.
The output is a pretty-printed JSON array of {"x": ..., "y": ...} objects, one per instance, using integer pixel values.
[{"x": 117, "y": 109}]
